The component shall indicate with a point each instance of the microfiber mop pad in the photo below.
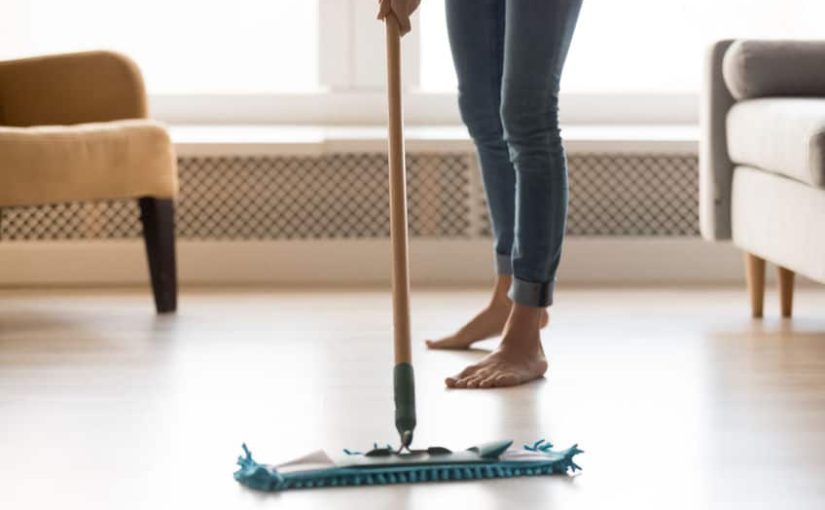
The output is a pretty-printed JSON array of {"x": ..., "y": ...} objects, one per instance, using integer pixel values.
[{"x": 384, "y": 465}]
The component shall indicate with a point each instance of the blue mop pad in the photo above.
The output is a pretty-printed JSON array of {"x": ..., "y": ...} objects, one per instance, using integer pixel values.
[{"x": 381, "y": 466}]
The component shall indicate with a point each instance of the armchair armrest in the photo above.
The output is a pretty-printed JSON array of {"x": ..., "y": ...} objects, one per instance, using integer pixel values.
[
  {"x": 715, "y": 166},
  {"x": 95, "y": 86},
  {"x": 763, "y": 68}
]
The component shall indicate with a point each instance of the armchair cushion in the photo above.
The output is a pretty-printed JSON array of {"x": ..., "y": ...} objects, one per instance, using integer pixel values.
[
  {"x": 112, "y": 160},
  {"x": 781, "y": 135},
  {"x": 763, "y": 68}
]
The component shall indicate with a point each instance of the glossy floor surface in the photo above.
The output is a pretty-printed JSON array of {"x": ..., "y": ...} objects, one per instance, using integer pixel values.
[{"x": 677, "y": 397}]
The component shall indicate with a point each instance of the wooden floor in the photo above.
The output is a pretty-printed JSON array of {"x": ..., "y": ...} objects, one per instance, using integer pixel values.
[{"x": 679, "y": 399}]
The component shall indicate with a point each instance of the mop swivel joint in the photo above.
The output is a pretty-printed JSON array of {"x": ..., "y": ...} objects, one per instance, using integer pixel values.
[{"x": 406, "y": 440}]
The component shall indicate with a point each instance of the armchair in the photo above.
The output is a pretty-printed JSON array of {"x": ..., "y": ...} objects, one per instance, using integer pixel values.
[{"x": 74, "y": 127}]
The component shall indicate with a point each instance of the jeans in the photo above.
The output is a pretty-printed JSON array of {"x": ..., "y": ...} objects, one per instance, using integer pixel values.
[{"x": 509, "y": 56}]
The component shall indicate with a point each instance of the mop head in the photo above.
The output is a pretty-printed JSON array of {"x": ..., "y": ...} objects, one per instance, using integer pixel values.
[{"x": 384, "y": 465}]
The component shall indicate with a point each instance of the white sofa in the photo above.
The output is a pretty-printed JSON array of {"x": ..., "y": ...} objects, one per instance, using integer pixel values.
[{"x": 762, "y": 158}]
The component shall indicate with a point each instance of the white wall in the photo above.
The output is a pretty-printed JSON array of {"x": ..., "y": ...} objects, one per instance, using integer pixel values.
[{"x": 14, "y": 28}]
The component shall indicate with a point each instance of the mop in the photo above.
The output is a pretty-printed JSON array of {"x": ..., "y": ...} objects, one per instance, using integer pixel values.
[{"x": 384, "y": 464}]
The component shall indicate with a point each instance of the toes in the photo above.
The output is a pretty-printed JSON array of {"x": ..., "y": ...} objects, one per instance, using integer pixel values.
[
  {"x": 441, "y": 343},
  {"x": 460, "y": 380},
  {"x": 506, "y": 380},
  {"x": 467, "y": 372},
  {"x": 474, "y": 382},
  {"x": 488, "y": 382},
  {"x": 479, "y": 376},
  {"x": 448, "y": 343},
  {"x": 470, "y": 381},
  {"x": 434, "y": 344}
]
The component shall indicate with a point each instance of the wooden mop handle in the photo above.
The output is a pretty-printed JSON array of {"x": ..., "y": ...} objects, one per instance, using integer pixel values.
[
  {"x": 403, "y": 377},
  {"x": 398, "y": 196}
]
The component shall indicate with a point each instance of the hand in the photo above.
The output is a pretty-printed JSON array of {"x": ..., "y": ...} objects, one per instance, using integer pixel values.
[{"x": 402, "y": 9}]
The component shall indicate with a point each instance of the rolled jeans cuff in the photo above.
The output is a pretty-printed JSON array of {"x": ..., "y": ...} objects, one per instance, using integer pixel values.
[
  {"x": 532, "y": 293},
  {"x": 504, "y": 264}
]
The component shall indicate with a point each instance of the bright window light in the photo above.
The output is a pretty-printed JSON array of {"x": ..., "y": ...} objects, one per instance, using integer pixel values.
[
  {"x": 640, "y": 46},
  {"x": 189, "y": 46},
  {"x": 437, "y": 71}
]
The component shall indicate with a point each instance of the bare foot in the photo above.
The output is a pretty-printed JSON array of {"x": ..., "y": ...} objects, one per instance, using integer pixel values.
[
  {"x": 488, "y": 323},
  {"x": 519, "y": 359}
]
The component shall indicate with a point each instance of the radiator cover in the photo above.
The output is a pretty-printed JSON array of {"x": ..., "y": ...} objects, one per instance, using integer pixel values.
[{"x": 345, "y": 196}]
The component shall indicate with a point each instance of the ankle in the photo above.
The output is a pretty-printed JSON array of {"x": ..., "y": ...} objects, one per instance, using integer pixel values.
[
  {"x": 522, "y": 330},
  {"x": 521, "y": 347},
  {"x": 501, "y": 304},
  {"x": 500, "y": 290},
  {"x": 525, "y": 317}
]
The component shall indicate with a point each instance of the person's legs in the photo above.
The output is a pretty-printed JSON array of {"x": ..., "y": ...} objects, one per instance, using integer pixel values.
[
  {"x": 537, "y": 37},
  {"x": 476, "y": 30}
]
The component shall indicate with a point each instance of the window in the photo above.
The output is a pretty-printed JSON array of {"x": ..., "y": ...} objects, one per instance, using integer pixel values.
[
  {"x": 437, "y": 71},
  {"x": 640, "y": 46},
  {"x": 187, "y": 46},
  {"x": 267, "y": 61}
]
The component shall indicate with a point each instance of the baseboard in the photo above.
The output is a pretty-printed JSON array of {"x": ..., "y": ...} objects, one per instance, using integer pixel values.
[{"x": 363, "y": 262}]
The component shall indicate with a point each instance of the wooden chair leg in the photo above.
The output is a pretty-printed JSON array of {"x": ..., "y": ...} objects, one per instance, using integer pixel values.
[
  {"x": 755, "y": 276},
  {"x": 158, "y": 219},
  {"x": 786, "y": 281}
]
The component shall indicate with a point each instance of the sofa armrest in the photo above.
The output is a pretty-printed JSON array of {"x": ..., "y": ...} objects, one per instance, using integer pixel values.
[
  {"x": 764, "y": 68},
  {"x": 715, "y": 167},
  {"x": 95, "y": 86}
]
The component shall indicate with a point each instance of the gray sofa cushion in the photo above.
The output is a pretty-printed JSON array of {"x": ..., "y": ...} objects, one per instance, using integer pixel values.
[
  {"x": 762, "y": 68},
  {"x": 781, "y": 135}
]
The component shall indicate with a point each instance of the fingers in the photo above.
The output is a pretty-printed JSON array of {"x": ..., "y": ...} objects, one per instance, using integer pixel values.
[
  {"x": 384, "y": 8},
  {"x": 402, "y": 9},
  {"x": 413, "y": 6},
  {"x": 404, "y": 26}
]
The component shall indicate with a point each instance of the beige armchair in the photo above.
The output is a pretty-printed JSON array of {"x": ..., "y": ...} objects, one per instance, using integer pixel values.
[{"x": 74, "y": 127}]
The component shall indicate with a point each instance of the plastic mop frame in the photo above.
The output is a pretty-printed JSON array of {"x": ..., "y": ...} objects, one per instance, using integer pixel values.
[{"x": 386, "y": 465}]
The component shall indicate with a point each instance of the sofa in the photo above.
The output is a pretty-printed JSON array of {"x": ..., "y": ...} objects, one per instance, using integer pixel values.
[{"x": 762, "y": 159}]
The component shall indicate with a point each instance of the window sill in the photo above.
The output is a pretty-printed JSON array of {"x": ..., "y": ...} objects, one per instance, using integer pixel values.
[{"x": 214, "y": 140}]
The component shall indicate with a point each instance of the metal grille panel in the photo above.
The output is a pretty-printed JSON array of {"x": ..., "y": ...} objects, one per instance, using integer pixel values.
[
  {"x": 633, "y": 195},
  {"x": 345, "y": 196}
]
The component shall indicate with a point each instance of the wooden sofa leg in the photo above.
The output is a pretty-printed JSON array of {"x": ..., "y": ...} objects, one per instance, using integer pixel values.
[
  {"x": 158, "y": 219},
  {"x": 786, "y": 281},
  {"x": 755, "y": 276}
]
